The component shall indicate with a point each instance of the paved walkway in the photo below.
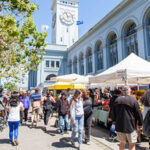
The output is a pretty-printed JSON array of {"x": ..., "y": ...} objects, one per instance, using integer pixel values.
[{"x": 37, "y": 139}]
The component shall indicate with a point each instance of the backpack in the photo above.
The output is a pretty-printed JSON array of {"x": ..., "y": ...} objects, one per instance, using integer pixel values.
[
  {"x": 146, "y": 125},
  {"x": 13, "y": 102},
  {"x": 47, "y": 104}
]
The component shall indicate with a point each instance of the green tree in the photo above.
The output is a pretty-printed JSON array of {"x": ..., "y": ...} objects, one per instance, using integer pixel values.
[
  {"x": 11, "y": 87},
  {"x": 20, "y": 42}
]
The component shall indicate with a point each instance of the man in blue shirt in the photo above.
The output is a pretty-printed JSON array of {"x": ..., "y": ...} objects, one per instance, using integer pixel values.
[{"x": 36, "y": 104}]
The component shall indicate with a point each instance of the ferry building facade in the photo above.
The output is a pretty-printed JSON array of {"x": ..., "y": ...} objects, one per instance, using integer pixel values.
[{"x": 124, "y": 30}]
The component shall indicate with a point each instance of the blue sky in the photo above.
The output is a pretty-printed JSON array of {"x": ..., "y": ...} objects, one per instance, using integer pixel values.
[{"x": 90, "y": 11}]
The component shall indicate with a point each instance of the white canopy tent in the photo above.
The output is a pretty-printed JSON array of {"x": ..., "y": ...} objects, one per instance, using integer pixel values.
[
  {"x": 133, "y": 69},
  {"x": 82, "y": 80},
  {"x": 66, "y": 78}
]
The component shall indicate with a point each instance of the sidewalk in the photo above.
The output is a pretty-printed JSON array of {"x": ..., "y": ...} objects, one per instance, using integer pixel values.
[{"x": 37, "y": 139}]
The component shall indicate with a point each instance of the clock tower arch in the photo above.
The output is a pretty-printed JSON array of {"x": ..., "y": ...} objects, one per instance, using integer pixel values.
[{"x": 64, "y": 17}]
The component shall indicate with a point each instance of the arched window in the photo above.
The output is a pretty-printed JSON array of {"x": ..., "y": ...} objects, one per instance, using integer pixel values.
[
  {"x": 75, "y": 64},
  {"x": 81, "y": 62},
  {"x": 48, "y": 78},
  {"x": 146, "y": 22},
  {"x": 99, "y": 55},
  {"x": 130, "y": 38},
  {"x": 70, "y": 66},
  {"x": 89, "y": 60},
  {"x": 112, "y": 49}
]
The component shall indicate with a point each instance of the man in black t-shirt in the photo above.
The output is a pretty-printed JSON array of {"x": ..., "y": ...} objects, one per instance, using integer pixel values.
[{"x": 126, "y": 117}]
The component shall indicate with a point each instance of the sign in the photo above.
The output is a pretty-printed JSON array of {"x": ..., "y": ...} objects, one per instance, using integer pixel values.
[{"x": 121, "y": 73}]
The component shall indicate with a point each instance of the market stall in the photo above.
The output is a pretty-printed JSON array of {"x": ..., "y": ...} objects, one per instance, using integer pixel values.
[{"x": 131, "y": 70}]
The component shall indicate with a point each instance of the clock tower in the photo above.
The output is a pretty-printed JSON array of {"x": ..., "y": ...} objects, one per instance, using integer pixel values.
[{"x": 64, "y": 17}]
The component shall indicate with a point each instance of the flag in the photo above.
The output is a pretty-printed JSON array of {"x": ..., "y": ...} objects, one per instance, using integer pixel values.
[
  {"x": 45, "y": 28},
  {"x": 79, "y": 23}
]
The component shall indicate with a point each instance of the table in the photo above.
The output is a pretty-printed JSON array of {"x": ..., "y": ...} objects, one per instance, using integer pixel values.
[{"x": 101, "y": 115}]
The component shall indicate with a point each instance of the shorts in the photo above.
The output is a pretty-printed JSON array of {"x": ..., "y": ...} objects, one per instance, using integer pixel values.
[
  {"x": 130, "y": 137},
  {"x": 35, "y": 110}
]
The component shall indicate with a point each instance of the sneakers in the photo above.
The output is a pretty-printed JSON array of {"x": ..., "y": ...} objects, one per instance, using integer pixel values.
[
  {"x": 88, "y": 143},
  {"x": 45, "y": 128},
  {"x": 72, "y": 143},
  {"x": 32, "y": 125},
  {"x": 62, "y": 133},
  {"x": 16, "y": 143},
  {"x": 11, "y": 142},
  {"x": 79, "y": 147}
]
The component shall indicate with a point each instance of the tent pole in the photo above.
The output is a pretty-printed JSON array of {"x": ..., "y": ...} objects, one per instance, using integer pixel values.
[
  {"x": 126, "y": 79},
  {"x": 138, "y": 85}
]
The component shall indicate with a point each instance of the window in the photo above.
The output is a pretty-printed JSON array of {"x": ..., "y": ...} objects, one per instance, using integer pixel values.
[
  {"x": 99, "y": 55},
  {"x": 112, "y": 49},
  {"x": 75, "y": 65},
  {"x": 57, "y": 64},
  {"x": 81, "y": 62},
  {"x": 47, "y": 63},
  {"x": 52, "y": 64},
  {"x": 130, "y": 38},
  {"x": 89, "y": 60}
]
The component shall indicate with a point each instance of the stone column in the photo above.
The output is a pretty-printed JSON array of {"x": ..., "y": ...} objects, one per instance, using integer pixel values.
[
  {"x": 119, "y": 48},
  {"x": 72, "y": 68},
  {"x": 93, "y": 63},
  {"x": 140, "y": 39},
  {"x": 78, "y": 66},
  {"x": 105, "y": 57},
  {"x": 85, "y": 65}
]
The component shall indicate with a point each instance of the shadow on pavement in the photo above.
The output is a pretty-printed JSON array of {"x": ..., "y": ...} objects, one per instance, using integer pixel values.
[
  {"x": 103, "y": 133},
  {"x": 63, "y": 142},
  {"x": 52, "y": 132},
  {"x": 4, "y": 141}
]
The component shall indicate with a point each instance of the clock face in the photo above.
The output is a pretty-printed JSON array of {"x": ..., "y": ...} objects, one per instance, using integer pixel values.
[
  {"x": 54, "y": 20},
  {"x": 67, "y": 17}
]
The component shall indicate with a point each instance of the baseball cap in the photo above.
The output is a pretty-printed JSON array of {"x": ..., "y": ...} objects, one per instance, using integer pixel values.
[{"x": 125, "y": 88}]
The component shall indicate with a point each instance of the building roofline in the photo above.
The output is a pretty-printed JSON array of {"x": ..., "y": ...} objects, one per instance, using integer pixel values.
[
  {"x": 54, "y": 2},
  {"x": 105, "y": 19}
]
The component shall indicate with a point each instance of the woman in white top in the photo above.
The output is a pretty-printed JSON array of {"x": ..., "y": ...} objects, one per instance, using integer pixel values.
[
  {"x": 77, "y": 117},
  {"x": 14, "y": 108}
]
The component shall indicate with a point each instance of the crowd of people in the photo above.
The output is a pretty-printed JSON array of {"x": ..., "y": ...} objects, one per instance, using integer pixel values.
[{"x": 75, "y": 112}]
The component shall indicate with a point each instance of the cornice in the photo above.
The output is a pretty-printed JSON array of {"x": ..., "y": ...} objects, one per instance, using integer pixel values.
[{"x": 110, "y": 15}]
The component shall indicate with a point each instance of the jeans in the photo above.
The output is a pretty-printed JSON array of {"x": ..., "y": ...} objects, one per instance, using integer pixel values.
[
  {"x": 87, "y": 126},
  {"x": 13, "y": 127},
  {"x": 25, "y": 114},
  {"x": 65, "y": 119},
  {"x": 21, "y": 117},
  {"x": 78, "y": 128},
  {"x": 46, "y": 116}
]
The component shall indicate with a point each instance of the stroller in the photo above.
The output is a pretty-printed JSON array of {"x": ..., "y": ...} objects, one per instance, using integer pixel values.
[{"x": 3, "y": 121}]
